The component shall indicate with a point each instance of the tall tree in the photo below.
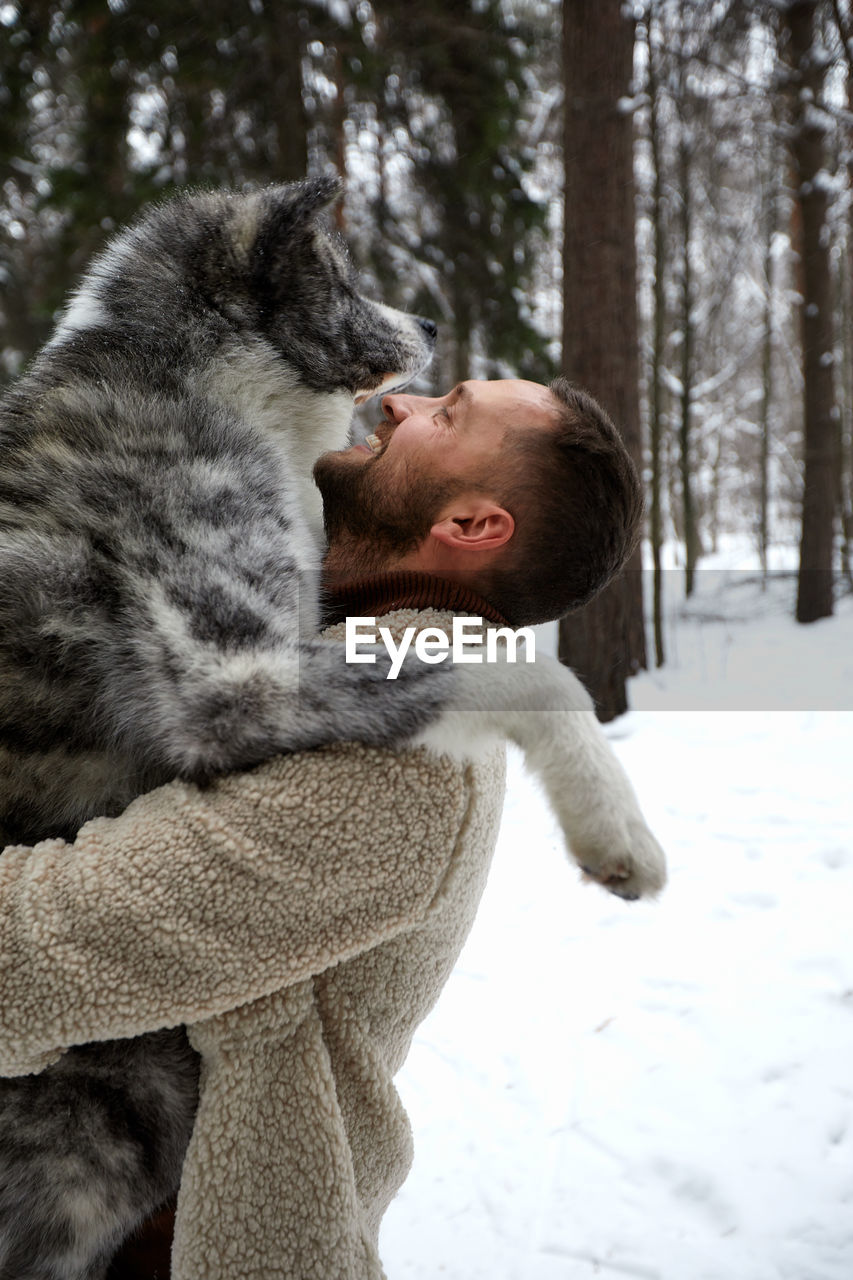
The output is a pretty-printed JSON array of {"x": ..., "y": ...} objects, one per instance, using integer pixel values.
[
  {"x": 770, "y": 220},
  {"x": 455, "y": 87},
  {"x": 804, "y": 58},
  {"x": 844, "y": 25},
  {"x": 658, "y": 325},
  {"x": 23, "y": 263},
  {"x": 605, "y": 641},
  {"x": 686, "y": 369}
]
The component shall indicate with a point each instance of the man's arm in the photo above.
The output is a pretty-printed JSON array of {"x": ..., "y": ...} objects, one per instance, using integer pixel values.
[{"x": 195, "y": 901}]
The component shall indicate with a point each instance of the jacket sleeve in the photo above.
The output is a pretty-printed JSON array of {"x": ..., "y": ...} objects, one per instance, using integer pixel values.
[{"x": 196, "y": 901}]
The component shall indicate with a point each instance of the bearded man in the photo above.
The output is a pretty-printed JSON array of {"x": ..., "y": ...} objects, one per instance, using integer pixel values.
[{"x": 301, "y": 919}]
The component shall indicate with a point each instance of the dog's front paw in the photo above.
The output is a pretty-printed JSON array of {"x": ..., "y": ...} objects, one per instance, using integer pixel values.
[{"x": 630, "y": 864}]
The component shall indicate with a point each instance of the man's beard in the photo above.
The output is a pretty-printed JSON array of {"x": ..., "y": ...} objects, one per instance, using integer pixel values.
[{"x": 372, "y": 518}]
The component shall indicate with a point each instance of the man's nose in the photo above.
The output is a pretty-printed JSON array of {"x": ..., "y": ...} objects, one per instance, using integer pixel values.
[{"x": 399, "y": 406}]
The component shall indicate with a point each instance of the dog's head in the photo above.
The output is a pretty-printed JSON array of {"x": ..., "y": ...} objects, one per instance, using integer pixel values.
[{"x": 268, "y": 262}]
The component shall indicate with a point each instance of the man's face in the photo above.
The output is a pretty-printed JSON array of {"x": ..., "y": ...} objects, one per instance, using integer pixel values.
[
  {"x": 457, "y": 435},
  {"x": 389, "y": 490}
]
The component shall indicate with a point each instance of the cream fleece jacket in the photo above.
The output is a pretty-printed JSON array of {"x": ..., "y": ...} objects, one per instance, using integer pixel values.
[{"x": 301, "y": 919}]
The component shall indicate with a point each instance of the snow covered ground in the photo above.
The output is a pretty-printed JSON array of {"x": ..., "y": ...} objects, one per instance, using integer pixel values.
[{"x": 662, "y": 1090}]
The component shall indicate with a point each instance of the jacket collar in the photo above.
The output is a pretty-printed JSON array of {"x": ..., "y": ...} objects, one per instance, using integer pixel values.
[{"x": 404, "y": 589}]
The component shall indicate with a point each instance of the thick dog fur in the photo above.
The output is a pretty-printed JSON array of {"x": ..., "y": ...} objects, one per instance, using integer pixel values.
[
  {"x": 159, "y": 530},
  {"x": 160, "y": 541}
]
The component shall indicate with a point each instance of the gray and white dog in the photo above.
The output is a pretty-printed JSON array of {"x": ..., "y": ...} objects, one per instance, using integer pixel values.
[{"x": 160, "y": 541}]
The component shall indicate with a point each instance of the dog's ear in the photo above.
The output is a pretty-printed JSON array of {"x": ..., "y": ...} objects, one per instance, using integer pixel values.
[
  {"x": 290, "y": 211},
  {"x": 285, "y": 239},
  {"x": 304, "y": 200}
]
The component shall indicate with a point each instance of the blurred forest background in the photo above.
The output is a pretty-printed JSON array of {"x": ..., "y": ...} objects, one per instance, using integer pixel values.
[{"x": 651, "y": 197}]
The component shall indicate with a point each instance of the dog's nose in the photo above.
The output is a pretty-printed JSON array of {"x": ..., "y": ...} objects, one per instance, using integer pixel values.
[{"x": 429, "y": 327}]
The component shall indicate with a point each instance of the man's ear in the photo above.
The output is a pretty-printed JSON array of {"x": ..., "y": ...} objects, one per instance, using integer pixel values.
[{"x": 474, "y": 524}]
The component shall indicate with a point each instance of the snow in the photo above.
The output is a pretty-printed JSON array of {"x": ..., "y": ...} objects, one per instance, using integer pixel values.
[{"x": 662, "y": 1090}]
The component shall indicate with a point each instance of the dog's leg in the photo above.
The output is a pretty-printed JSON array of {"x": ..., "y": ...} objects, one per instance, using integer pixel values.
[
  {"x": 545, "y": 710},
  {"x": 230, "y": 710}
]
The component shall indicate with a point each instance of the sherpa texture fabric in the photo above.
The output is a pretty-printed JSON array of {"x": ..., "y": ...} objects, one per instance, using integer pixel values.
[{"x": 301, "y": 919}]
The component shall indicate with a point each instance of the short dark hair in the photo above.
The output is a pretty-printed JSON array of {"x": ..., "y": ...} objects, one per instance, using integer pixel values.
[{"x": 578, "y": 505}]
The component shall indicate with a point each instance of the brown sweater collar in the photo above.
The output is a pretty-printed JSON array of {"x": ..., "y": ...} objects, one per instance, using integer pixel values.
[{"x": 405, "y": 589}]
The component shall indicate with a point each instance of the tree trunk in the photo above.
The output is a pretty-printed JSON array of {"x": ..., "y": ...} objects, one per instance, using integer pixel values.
[
  {"x": 846, "y": 313},
  {"x": 605, "y": 641},
  {"x": 771, "y": 219},
  {"x": 685, "y": 460},
  {"x": 658, "y": 336},
  {"x": 847, "y": 416},
  {"x": 289, "y": 116},
  {"x": 820, "y": 480},
  {"x": 460, "y": 335}
]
